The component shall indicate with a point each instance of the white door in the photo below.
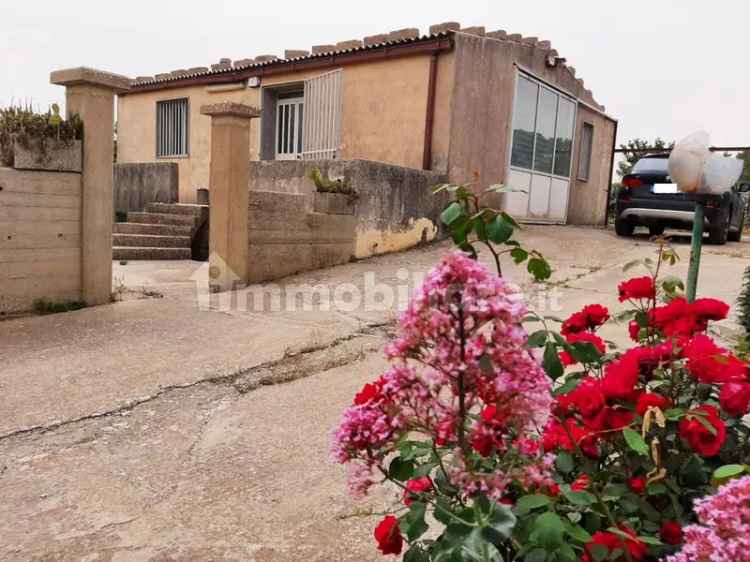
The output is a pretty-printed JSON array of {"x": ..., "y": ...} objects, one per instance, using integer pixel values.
[
  {"x": 323, "y": 103},
  {"x": 289, "y": 119},
  {"x": 541, "y": 152}
]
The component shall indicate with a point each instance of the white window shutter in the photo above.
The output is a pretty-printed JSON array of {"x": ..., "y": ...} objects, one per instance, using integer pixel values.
[{"x": 322, "y": 116}]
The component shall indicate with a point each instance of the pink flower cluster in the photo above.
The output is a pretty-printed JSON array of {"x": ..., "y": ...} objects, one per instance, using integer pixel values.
[
  {"x": 462, "y": 377},
  {"x": 723, "y": 534}
]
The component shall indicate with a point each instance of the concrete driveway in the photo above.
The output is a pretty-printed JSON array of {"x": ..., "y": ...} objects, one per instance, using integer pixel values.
[{"x": 170, "y": 428}]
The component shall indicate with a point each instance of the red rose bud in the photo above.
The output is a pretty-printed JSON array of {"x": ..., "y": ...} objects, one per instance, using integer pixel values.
[
  {"x": 671, "y": 532},
  {"x": 389, "y": 536},
  {"x": 735, "y": 398},
  {"x": 637, "y": 484}
]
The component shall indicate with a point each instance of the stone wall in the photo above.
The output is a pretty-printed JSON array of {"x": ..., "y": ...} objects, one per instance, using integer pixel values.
[
  {"x": 393, "y": 206},
  {"x": 40, "y": 238},
  {"x": 139, "y": 183},
  {"x": 285, "y": 237}
]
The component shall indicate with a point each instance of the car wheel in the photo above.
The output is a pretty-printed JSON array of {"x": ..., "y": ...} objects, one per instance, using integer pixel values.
[
  {"x": 624, "y": 227},
  {"x": 656, "y": 229},
  {"x": 719, "y": 229},
  {"x": 736, "y": 236}
]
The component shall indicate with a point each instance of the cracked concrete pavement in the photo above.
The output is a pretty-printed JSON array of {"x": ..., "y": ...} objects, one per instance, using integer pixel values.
[{"x": 151, "y": 430}]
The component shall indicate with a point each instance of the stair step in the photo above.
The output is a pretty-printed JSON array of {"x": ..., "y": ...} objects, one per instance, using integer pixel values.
[
  {"x": 162, "y": 218},
  {"x": 158, "y": 229},
  {"x": 175, "y": 208},
  {"x": 150, "y": 241},
  {"x": 130, "y": 253}
]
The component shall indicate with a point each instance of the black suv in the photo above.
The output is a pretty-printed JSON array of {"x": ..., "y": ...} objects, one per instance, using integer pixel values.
[{"x": 649, "y": 198}]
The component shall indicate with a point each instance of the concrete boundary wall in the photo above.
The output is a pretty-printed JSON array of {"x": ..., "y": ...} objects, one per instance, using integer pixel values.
[
  {"x": 285, "y": 237},
  {"x": 40, "y": 238},
  {"x": 393, "y": 206},
  {"x": 138, "y": 183}
]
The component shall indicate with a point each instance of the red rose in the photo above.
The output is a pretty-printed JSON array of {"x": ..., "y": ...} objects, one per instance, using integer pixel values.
[
  {"x": 610, "y": 418},
  {"x": 671, "y": 532},
  {"x": 698, "y": 437},
  {"x": 613, "y": 542},
  {"x": 735, "y": 398},
  {"x": 416, "y": 486},
  {"x": 389, "y": 536},
  {"x": 368, "y": 392},
  {"x": 620, "y": 377},
  {"x": 587, "y": 398},
  {"x": 482, "y": 444},
  {"x": 589, "y": 318},
  {"x": 637, "y": 288},
  {"x": 650, "y": 400},
  {"x": 709, "y": 309},
  {"x": 675, "y": 318},
  {"x": 710, "y": 363},
  {"x": 637, "y": 484},
  {"x": 581, "y": 483},
  {"x": 554, "y": 490},
  {"x": 556, "y": 437}
]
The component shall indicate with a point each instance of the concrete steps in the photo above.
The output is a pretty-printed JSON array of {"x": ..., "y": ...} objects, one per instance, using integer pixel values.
[
  {"x": 163, "y": 231},
  {"x": 141, "y": 253},
  {"x": 157, "y": 229},
  {"x": 150, "y": 241}
]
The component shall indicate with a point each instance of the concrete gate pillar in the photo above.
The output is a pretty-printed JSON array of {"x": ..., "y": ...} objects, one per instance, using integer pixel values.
[
  {"x": 90, "y": 93},
  {"x": 228, "y": 184}
]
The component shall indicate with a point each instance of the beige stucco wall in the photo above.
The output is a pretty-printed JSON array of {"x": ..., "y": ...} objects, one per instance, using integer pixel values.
[
  {"x": 383, "y": 117},
  {"x": 40, "y": 238}
]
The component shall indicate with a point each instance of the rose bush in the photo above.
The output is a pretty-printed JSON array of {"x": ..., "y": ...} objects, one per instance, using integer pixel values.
[{"x": 599, "y": 461}]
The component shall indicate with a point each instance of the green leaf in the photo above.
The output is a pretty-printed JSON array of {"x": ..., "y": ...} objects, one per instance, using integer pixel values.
[
  {"x": 615, "y": 490},
  {"x": 400, "y": 469},
  {"x": 674, "y": 414},
  {"x": 551, "y": 361},
  {"x": 536, "y": 555},
  {"x": 564, "y": 462},
  {"x": 510, "y": 219},
  {"x": 416, "y": 554},
  {"x": 585, "y": 352},
  {"x": 499, "y": 230},
  {"x": 548, "y": 531},
  {"x": 649, "y": 540},
  {"x": 728, "y": 471},
  {"x": 519, "y": 255},
  {"x": 413, "y": 524},
  {"x": 532, "y": 501},
  {"x": 581, "y": 498},
  {"x": 539, "y": 268},
  {"x": 578, "y": 533},
  {"x": 537, "y": 339},
  {"x": 477, "y": 548},
  {"x": 635, "y": 441},
  {"x": 452, "y": 213}
]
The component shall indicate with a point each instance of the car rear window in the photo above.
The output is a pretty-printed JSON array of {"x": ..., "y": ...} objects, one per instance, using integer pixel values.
[{"x": 651, "y": 166}]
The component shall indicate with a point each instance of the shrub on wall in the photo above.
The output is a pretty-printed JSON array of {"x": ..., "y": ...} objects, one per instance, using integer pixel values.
[{"x": 23, "y": 125}]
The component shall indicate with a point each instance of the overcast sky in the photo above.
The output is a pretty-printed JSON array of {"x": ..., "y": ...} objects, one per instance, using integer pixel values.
[{"x": 661, "y": 67}]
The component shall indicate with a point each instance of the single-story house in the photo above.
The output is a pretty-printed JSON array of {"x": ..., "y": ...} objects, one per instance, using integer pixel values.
[{"x": 463, "y": 102}]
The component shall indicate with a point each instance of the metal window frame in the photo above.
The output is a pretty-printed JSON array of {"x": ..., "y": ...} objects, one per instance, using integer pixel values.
[{"x": 177, "y": 132}]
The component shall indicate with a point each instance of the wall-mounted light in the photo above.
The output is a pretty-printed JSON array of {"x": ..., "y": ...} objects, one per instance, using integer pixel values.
[
  {"x": 253, "y": 82},
  {"x": 552, "y": 61}
]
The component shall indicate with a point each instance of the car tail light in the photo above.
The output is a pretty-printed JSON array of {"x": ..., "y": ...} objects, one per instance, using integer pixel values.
[
  {"x": 713, "y": 204},
  {"x": 632, "y": 182}
]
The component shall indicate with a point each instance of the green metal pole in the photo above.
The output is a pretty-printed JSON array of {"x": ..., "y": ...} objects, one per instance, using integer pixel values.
[{"x": 695, "y": 251}]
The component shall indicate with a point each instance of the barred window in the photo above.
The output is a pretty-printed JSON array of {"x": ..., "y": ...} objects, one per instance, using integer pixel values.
[
  {"x": 172, "y": 128},
  {"x": 587, "y": 141}
]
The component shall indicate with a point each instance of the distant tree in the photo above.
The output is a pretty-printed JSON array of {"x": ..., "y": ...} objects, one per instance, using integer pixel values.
[{"x": 632, "y": 154}]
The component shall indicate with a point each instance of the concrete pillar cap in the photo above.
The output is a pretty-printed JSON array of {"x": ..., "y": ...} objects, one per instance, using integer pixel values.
[
  {"x": 90, "y": 76},
  {"x": 230, "y": 109}
]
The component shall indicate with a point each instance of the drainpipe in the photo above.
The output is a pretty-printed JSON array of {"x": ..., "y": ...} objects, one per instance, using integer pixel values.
[
  {"x": 430, "y": 117},
  {"x": 609, "y": 180}
]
